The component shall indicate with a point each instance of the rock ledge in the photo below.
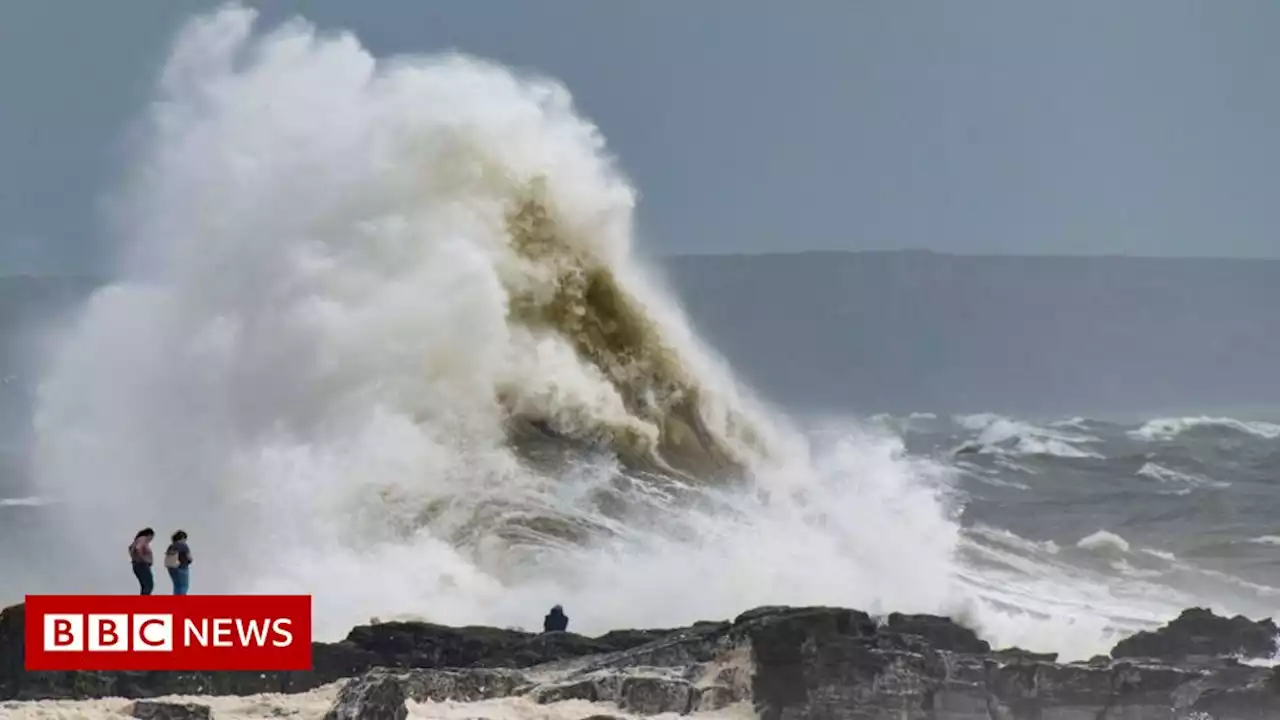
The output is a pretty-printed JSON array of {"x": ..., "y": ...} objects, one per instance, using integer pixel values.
[{"x": 785, "y": 663}]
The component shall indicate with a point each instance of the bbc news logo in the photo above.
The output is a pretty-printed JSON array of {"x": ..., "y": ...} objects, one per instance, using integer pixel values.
[
  {"x": 167, "y": 632},
  {"x": 147, "y": 632}
]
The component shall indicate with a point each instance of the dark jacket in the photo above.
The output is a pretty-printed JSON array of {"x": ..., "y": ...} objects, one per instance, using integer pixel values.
[
  {"x": 182, "y": 550},
  {"x": 555, "y": 621}
]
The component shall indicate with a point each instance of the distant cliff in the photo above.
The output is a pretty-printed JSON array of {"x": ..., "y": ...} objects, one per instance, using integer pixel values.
[{"x": 918, "y": 331}]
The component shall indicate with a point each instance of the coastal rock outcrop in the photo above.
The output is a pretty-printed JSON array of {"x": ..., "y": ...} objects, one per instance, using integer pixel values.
[
  {"x": 376, "y": 695},
  {"x": 1199, "y": 632},
  {"x": 781, "y": 663}
]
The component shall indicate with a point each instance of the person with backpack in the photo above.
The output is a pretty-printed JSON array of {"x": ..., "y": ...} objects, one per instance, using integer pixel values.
[
  {"x": 140, "y": 556},
  {"x": 177, "y": 558}
]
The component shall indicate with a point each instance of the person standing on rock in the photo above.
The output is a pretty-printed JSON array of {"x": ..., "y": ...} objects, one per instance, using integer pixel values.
[
  {"x": 178, "y": 560},
  {"x": 141, "y": 557},
  {"x": 555, "y": 621}
]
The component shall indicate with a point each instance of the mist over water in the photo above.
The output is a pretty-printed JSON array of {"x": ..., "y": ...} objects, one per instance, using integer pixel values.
[{"x": 310, "y": 361}]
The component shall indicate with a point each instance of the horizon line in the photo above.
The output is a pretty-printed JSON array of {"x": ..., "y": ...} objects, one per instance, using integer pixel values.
[
  {"x": 947, "y": 253},
  {"x": 81, "y": 273}
]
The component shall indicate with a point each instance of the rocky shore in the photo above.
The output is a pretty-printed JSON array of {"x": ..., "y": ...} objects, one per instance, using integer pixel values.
[{"x": 775, "y": 663}]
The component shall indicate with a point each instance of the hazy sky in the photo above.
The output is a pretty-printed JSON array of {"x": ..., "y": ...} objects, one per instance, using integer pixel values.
[{"x": 1139, "y": 127}]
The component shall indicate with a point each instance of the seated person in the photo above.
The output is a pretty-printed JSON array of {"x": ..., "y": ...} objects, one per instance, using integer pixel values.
[{"x": 555, "y": 621}]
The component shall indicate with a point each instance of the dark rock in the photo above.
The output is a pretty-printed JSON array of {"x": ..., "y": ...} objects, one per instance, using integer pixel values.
[
  {"x": 963, "y": 692},
  {"x": 642, "y": 691},
  {"x": 822, "y": 662},
  {"x": 581, "y": 689},
  {"x": 694, "y": 645},
  {"x": 715, "y": 697},
  {"x": 654, "y": 695},
  {"x": 1199, "y": 632},
  {"x": 940, "y": 632},
  {"x": 623, "y": 639},
  {"x": 388, "y": 644},
  {"x": 159, "y": 710},
  {"x": 1013, "y": 654},
  {"x": 788, "y": 663},
  {"x": 1255, "y": 695},
  {"x": 424, "y": 645},
  {"x": 828, "y": 662},
  {"x": 376, "y": 695},
  {"x": 724, "y": 682},
  {"x": 462, "y": 685}
]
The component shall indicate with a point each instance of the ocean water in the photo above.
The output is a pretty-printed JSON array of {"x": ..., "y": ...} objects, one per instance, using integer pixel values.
[{"x": 377, "y": 332}]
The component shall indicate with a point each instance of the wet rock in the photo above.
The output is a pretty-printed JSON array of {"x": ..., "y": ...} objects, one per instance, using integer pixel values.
[
  {"x": 461, "y": 685},
  {"x": 825, "y": 662},
  {"x": 715, "y": 697},
  {"x": 1015, "y": 654},
  {"x": 160, "y": 710},
  {"x": 1254, "y": 701},
  {"x": 787, "y": 663},
  {"x": 1200, "y": 632},
  {"x": 828, "y": 662},
  {"x": 641, "y": 691},
  {"x": 426, "y": 645},
  {"x": 962, "y": 693},
  {"x": 654, "y": 695},
  {"x": 686, "y": 647},
  {"x": 382, "y": 690},
  {"x": 376, "y": 695},
  {"x": 581, "y": 689},
  {"x": 940, "y": 632},
  {"x": 385, "y": 644}
]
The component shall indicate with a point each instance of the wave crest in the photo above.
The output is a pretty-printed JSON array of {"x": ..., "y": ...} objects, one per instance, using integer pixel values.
[
  {"x": 661, "y": 424},
  {"x": 1169, "y": 428}
]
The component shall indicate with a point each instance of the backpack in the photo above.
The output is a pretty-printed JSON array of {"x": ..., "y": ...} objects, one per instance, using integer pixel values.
[{"x": 171, "y": 559}]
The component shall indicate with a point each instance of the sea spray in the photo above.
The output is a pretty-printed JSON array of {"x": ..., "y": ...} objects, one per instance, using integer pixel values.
[{"x": 377, "y": 333}]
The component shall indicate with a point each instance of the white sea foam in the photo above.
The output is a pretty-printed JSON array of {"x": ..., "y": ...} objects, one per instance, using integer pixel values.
[
  {"x": 1077, "y": 423},
  {"x": 1163, "y": 474},
  {"x": 998, "y": 434},
  {"x": 23, "y": 502},
  {"x": 1104, "y": 541},
  {"x": 1168, "y": 428},
  {"x": 1161, "y": 554}
]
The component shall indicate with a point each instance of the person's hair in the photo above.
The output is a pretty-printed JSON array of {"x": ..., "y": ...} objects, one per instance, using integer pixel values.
[
  {"x": 145, "y": 532},
  {"x": 180, "y": 536}
]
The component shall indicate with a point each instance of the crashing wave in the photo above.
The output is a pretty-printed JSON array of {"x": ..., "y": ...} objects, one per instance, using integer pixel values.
[
  {"x": 381, "y": 318},
  {"x": 1168, "y": 428},
  {"x": 577, "y": 297},
  {"x": 1163, "y": 474},
  {"x": 1000, "y": 435}
]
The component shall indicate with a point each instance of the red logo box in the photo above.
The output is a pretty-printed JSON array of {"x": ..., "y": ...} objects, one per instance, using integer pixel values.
[{"x": 168, "y": 632}]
